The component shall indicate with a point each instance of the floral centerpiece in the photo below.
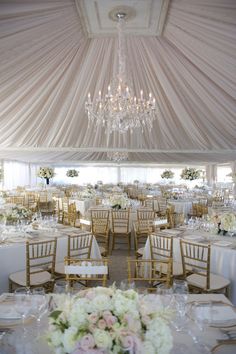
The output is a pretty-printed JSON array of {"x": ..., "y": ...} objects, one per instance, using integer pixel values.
[
  {"x": 136, "y": 181},
  {"x": 109, "y": 321},
  {"x": 15, "y": 213},
  {"x": 233, "y": 176},
  {"x": 46, "y": 172},
  {"x": 72, "y": 173},
  {"x": 168, "y": 174},
  {"x": 88, "y": 193},
  {"x": 190, "y": 174},
  {"x": 228, "y": 222},
  {"x": 119, "y": 201}
]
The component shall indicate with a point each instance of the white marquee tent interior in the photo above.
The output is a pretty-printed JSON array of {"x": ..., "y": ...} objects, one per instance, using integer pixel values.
[{"x": 54, "y": 52}]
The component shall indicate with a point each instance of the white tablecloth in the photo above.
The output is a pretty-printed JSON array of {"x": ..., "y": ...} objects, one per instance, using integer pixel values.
[
  {"x": 13, "y": 255},
  {"x": 223, "y": 259},
  {"x": 83, "y": 205},
  {"x": 182, "y": 206}
]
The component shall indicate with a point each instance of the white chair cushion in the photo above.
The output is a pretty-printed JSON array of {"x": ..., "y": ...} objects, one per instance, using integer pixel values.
[
  {"x": 140, "y": 251},
  {"x": 177, "y": 268},
  {"x": 102, "y": 250},
  {"x": 35, "y": 279},
  {"x": 216, "y": 281}
]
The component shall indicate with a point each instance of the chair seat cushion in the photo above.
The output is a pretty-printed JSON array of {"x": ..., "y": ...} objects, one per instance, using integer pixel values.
[
  {"x": 102, "y": 250},
  {"x": 35, "y": 279},
  {"x": 177, "y": 268},
  {"x": 217, "y": 282},
  {"x": 140, "y": 251}
]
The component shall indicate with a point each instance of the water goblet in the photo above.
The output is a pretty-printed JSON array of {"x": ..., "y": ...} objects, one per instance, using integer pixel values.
[
  {"x": 22, "y": 304},
  {"x": 39, "y": 305}
]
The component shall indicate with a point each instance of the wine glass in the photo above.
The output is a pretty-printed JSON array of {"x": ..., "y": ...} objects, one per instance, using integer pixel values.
[
  {"x": 22, "y": 303},
  {"x": 126, "y": 285},
  {"x": 180, "y": 289},
  {"x": 39, "y": 305}
]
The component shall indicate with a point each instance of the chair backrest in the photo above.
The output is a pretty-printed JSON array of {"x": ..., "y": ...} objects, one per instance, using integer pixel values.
[
  {"x": 196, "y": 259},
  {"x": 79, "y": 246},
  {"x": 145, "y": 214},
  {"x": 149, "y": 272},
  {"x": 162, "y": 204},
  {"x": 100, "y": 221},
  {"x": 40, "y": 257},
  {"x": 65, "y": 205},
  {"x": 120, "y": 221},
  {"x": 161, "y": 246},
  {"x": 148, "y": 203},
  {"x": 92, "y": 270}
]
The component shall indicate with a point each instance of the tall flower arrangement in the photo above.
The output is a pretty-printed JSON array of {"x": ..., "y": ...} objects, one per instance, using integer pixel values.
[
  {"x": 109, "y": 321},
  {"x": 190, "y": 174},
  {"x": 233, "y": 176},
  {"x": 46, "y": 172},
  {"x": 72, "y": 173},
  {"x": 168, "y": 174}
]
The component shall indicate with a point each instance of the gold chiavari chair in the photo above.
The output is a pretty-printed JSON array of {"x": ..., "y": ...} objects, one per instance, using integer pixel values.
[
  {"x": 86, "y": 271},
  {"x": 58, "y": 209},
  {"x": 65, "y": 210},
  {"x": 120, "y": 226},
  {"x": 31, "y": 201},
  {"x": 100, "y": 229},
  {"x": 78, "y": 246},
  {"x": 148, "y": 274},
  {"x": 148, "y": 203},
  {"x": 40, "y": 266},
  {"x": 142, "y": 228},
  {"x": 161, "y": 247},
  {"x": 162, "y": 206},
  {"x": 196, "y": 262}
]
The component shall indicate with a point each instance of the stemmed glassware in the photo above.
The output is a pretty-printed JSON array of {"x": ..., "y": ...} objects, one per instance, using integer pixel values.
[
  {"x": 22, "y": 304},
  {"x": 180, "y": 290},
  {"x": 39, "y": 305}
]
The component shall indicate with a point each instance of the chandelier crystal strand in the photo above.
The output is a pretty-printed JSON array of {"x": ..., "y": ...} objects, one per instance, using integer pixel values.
[
  {"x": 117, "y": 155},
  {"x": 119, "y": 110}
]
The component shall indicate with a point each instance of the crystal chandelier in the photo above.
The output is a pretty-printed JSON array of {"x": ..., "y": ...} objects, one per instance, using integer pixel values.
[
  {"x": 119, "y": 110},
  {"x": 117, "y": 156}
]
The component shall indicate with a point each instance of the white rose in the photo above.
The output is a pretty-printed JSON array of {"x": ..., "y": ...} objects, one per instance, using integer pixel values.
[
  {"x": 69, "y": 339},
  {"x": 55, "y": 338},
  {"x": 148, "y": 348},
  {"x": 102, "y": 303},
  {"x": 102, "y": 339}
]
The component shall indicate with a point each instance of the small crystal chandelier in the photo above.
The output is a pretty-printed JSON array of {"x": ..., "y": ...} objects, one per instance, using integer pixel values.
[
  {"x": 119, "y": 110},
  {"x": 117, "y": 155}
]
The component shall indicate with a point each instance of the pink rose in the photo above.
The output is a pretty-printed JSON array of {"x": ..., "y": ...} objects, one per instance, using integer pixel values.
[
  {"x": 128, "y": 343},
  {"x": 102, "y": 324},
  {"x": 110, "y": 320},
  {"x": 87, "y": 342},
  {"x": 93, "y": 317},
  {"x": 106, "y": 313}
]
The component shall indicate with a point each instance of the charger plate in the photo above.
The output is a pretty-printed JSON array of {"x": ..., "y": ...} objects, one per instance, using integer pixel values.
[{"x": 217, "y": 313}]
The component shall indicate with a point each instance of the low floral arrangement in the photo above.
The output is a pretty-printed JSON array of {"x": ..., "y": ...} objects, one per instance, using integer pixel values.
[
  {"x": 72, "y": 173},
  {"x": 228, "y": 222},
  {"x": 109, "y": 321},
  {"x": 136, "y": 181},
  {"x": 167, "y": 174},
  {"x": 233, "y": 176},
  {"x": 16, "y": 213},
  {"x": 88, "y": 193},
  {"x": 190, "y": 174},
  {"x": 119, "y": 201},
  {"x": 99, "y": 183},
  {"x": 46, "y": 172}
]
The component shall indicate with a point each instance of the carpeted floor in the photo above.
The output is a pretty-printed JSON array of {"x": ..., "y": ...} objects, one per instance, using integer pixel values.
[{"x": 118, "y": 265}]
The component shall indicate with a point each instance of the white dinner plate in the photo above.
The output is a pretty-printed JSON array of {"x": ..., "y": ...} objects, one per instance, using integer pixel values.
[
  {"x": 193, "y": 237},
  {"x": 217, "y": 314},
  {"x": 222, "y": 243}
]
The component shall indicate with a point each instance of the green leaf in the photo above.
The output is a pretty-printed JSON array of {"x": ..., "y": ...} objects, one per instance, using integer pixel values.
[{"x": 55, "y": 314}]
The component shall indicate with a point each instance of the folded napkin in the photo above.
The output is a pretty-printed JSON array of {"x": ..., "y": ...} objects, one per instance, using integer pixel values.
[{"x": 7, "y": 311}]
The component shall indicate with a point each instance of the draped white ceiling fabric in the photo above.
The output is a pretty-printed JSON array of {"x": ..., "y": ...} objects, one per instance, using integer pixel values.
[{"x": 48, "y": 65}]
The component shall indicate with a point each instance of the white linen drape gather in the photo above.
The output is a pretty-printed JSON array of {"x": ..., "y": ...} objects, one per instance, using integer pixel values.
[{"x": 48, "y": 65}]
